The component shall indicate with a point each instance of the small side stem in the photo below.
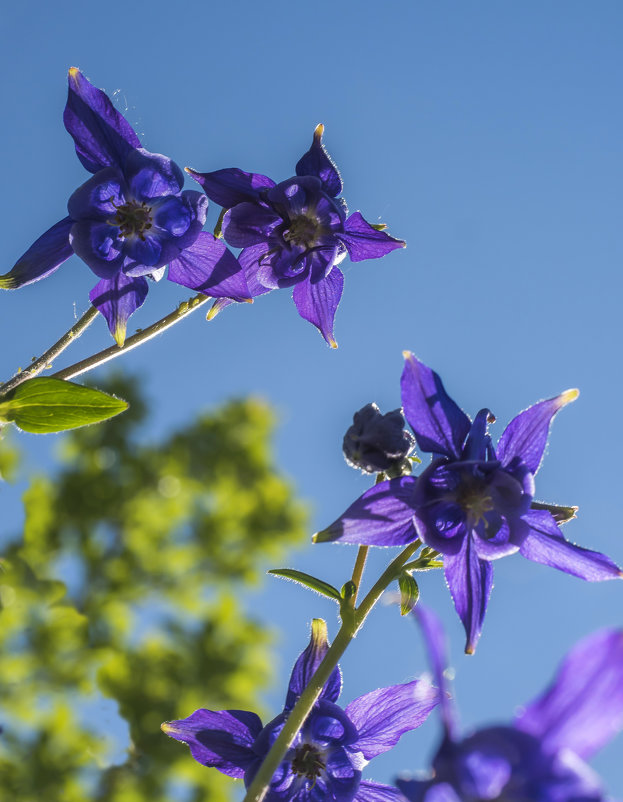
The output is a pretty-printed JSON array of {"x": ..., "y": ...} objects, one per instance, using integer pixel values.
[
  {"x": 55, "y": 350},
  {"x": 360, "y": 564},
  {"x": 91, "y": 362},
  {"x": 350, "y": 626}
]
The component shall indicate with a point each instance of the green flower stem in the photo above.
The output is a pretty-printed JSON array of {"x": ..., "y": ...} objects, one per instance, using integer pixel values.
[
  {"x": 351, "y": 624},
  {"x": 44, "y": 361},
  {"x": 91, "y": 362},
  {"x": 360, "y": 564}
]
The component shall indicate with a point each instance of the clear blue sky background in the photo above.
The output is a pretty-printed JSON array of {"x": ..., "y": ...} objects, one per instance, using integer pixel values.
[{"x": 488, "y": 135}]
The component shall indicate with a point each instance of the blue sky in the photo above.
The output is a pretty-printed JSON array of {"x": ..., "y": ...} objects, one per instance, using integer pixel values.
[{"x": 488, "y": 135}]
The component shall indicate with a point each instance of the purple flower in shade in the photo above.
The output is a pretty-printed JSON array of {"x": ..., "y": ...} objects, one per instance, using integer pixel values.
[
  {"x": 129, "y": 220},
  {"x": 540, "y": 756},
  {"x": 473, "y": 502},
  {"x": 378, "y": 443},
  {"x": 327, "y": 756},
  {"x": 294, "y": 234}
]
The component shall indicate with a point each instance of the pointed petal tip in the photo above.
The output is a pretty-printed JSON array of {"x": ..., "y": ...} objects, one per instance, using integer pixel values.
[
  {"x": 332, "y": 343},
  {"x": 73, "y": 74},
  {"x": 167, "y": 728},
  {"x": 319, "y": 630},
  {"x": 321, "y": 537},
  {"x": 213, "y": 312},
  {"x": 407, "y": 354},
  {"x": 246, "y": 301},
  {"x": 192, "y": 173},
  {"x": 470, "y": 648},
  {"x": 119, "y": 334},
  {"x": 318, "y": 131},
  {"x": 568, "y": 396}
]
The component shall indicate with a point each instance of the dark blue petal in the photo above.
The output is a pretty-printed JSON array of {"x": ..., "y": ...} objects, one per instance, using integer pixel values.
[
  {"x": 209, "y": 267},
  {"x": 249, "y": 224},
  {"x": 117, "y": 298},
  {"x": 317, "y": 162},
  {"x": 365, "y": 242},
  {"x": 437, "y": 648},
  {"x": 145, "y": 251},
  {"x": 383, "y": 716},
  {"x": 221, "y": 739},
  {"x": 545, "y": 543},
  {"x": 102, "y": 135},
  {"x": 231, "y": 186},
  {"x": 438, "y": 423},
  {"x": 478, "y": 441},
  {"x": 525, "y": 436},
  {"x": 99, "y": 197},
  {"x": 307, "y": 664},
  {"x": 99, "y": 245},
  {"x": 152, "y": 175},
  {"x": 376, "y": 792},
  {"x": 318, "y": 302},
  {"x": 249, "y": 259},
  {"x": 470, "y": 580},
  {"x": 383, "y": 516},
  {"x": 172, "y": 216},
  {"x": 583, "y": 707},
  {"x": 43, "y": 257},
  {"x": 427, "y": 791}
]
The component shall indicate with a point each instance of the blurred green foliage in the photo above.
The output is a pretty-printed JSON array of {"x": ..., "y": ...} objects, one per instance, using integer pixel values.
[{"x": 126, "y": 587}]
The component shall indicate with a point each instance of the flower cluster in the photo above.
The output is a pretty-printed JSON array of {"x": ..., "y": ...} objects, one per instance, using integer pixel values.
[
  {"x": 540, "y": 756},
  {"x": 378, "y": 443},
  {"x": 474, "y": 502},
  {"x": 326, "y": 759}
]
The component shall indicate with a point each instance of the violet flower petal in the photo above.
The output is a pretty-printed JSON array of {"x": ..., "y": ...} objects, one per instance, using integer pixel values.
[
  {"x": 99, "y": 197},
  {"x": 117, "y": 298},
  {"x": 102, "y": 135},
  {"x": 152, "y": 175},
  {"x": 317, "y": 302},
  {"x": 43, "y": 257},
  {"x": 231, "y": 186},
  {"x": 438, "y": 423},
  {"x": 369, "y": 791},
  {"x": 582, "y": 709},
  {"x": 249, "y": 224},
  {"x": 220, "y": 739},
  {"x": 383, "y": 516},
  {"x": 383, "y": 716},
  {"x": 249, "y": 260},
  {"x": 437, "y": 647},
  {"x": 526, "y": 435},
  {"x": 365, "y": 242},
  {"x": 470, "y": 580},
  {"x": 546, "y": 544},
  {"x": 317, "y": 162},
  {"x": 98, "y": 244},
  {"x": 423, "y": 791},
  {"x": 307, "y": 664},
  {"x": 207, "y": 266}
]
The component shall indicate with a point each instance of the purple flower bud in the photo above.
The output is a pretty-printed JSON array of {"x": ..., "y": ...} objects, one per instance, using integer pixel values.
[{"x": 378, "y": 443}]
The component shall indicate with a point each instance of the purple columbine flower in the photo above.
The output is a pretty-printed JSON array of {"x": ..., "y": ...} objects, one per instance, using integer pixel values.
[
  {"x": 129, "y": 220},
  {"x": 293, "y": 234},
  {"x": 327, "y": 756},
  {"x": 473, "y": 503},
  {"x": 541, "y": 755},
  {"x": 378, "y": 443}
]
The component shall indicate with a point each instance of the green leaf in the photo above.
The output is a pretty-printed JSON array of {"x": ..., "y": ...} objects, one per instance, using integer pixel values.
[
  {"x": 409, "y": 593},
  {"x": 47, "y": 405},
  {"x": 311, "y": 582}
]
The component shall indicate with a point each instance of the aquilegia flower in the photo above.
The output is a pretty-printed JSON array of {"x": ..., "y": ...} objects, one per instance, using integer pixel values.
[
  {"x": 129, "y": 220},
  {"x": 328, "y": 754},
  {"x": 378, "y": 443},
  {"x": 540, "y": 756},
  {"x": 473, "y": 503},
  {"x": 293, "y": 234}
]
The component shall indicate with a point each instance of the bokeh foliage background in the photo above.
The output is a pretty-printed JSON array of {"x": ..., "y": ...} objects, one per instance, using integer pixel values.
[{"x": 120, "y": 604}]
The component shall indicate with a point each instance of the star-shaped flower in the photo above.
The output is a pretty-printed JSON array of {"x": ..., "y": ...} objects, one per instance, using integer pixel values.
[
  {"x": 129, "y": 220},
  {"x": 327, "y": 757},
  {"x": 473, "y": 503},
  {"x": 295, "y": 233}
]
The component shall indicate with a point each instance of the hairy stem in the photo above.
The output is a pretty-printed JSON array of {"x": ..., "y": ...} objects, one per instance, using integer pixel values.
[
  {"x": 143, "y": 336},
  {"x": 50, "y": 355},
  {"x": 350, "y": 626},
  {"x": 360, "y": 564}
]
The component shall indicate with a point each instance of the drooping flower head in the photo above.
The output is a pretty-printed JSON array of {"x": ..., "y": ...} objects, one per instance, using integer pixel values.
[
  {"x": 129, "y": 220},
  {"x": 378, "y": 443},
  {"x": 541, "y": 754},
  {"x": 474, "y": 502},
  {"x": 293, "y": 234},
  {"x": 327, "y": 756}
]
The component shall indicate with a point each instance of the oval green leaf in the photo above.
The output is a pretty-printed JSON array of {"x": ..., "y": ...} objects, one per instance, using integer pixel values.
[
  {"x": 311, "y": 582},
  {"x": 409, "y": 593},
  {"x": 45, "y": 405}
]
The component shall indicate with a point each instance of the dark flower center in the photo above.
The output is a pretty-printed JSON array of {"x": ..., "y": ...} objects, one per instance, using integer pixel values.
[
  {"x": 132, "y": 218},
  {"x": 307, "y": 762},
  {"x": 303, "y": 231},
  {"x": 473, "y": 498}
]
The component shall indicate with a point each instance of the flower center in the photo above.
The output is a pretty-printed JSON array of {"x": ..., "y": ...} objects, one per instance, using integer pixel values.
[
  {"x": 132, "y": 218},
  {"x": 473, "y": 498},
  {"x": 304, "y": 231},
  {"x": 307, "y": 762}
]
